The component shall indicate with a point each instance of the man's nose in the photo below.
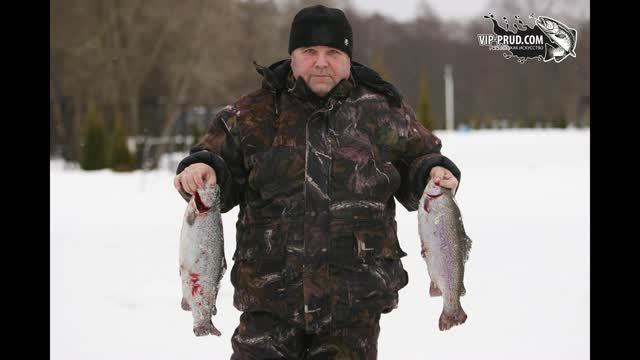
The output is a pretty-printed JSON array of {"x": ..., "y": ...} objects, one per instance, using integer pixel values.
[{"x": 321, "y": 61}]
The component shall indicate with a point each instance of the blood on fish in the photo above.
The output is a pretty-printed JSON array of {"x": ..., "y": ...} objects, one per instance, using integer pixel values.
[
  {"x": 196, "y": 288},
  {"x": 200, "y": 206}
]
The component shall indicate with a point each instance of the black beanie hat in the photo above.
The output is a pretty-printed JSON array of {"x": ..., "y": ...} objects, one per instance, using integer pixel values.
[{"x": 320, "y": 25}]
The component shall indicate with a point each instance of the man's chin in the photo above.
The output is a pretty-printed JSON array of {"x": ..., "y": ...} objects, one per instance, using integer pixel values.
[{"x": 321, "y": 90}]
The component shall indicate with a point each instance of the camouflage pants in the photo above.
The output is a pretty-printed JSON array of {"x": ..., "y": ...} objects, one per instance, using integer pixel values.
[{"x": 262, "y": 335}]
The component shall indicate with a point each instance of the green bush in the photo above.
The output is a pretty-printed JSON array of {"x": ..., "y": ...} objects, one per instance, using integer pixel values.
[{"x": 560, "y": 121}]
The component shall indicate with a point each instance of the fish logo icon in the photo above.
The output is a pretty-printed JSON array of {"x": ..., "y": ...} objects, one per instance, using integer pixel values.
[
  {"x": 544, "y": 38},
  {"x": 563, "y": 37}
]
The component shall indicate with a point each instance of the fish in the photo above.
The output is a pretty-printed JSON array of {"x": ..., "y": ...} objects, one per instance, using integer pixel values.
[
  {"x": 201, "y": 257},
  {"x": 564, "y": 37},
  {"x": 445, "y": 248}
]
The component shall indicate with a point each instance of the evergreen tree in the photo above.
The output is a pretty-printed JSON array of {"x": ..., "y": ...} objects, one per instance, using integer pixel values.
[
  {"x": 196, "y": 133},
  {"x": 121, "y": 157},
  {"x": 561, "y": 121},
  {"x": 93, "y": 149},
  {"x": 424, "y": 104},
  {"x": 377, "y": 64}
]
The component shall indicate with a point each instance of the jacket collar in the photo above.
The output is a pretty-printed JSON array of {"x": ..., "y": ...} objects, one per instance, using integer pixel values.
[
  {"x": 278, "y": 78},
  {"x": 300, "y": 89}
]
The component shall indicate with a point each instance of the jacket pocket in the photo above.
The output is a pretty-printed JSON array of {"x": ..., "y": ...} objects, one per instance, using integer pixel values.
[
  {"x": 375, "y": 282},
  {"x": 258, "y": 273},
  {"x": 377, "y": 241},
  {"x": 261, "y": 242}
]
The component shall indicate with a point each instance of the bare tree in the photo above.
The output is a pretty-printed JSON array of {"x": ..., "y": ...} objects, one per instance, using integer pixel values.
[
  {"x": 184, "y": 62},
  {"x": 137, "y": 37},
  {"x": 196, "y": 52}
]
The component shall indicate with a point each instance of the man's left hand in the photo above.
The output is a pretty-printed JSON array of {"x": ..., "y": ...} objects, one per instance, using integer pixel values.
[{"x": 443, "y": 177}]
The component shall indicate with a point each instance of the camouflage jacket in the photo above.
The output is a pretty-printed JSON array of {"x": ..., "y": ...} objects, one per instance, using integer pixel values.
[{"x": 315, "y": 179}]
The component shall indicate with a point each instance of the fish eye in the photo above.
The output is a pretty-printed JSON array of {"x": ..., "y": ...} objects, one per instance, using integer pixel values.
[{"x": 561, "y": 35}]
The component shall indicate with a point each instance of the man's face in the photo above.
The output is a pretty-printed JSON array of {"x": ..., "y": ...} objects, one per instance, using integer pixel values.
[{"x": 321, "y": 67}]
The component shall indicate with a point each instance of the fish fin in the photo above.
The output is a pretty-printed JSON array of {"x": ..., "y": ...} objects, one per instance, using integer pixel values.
[
  {"x": 185, "y": 305},
  {"x": 467, "y": 250},
  {"x": 463, "y": 291},
  {"x": 573, "y": 32},
  {"x": 434, "y": 291},
  {"x": 214, "y": 310},
  {"x": 191, "y": 216},
  {"x": 206, "y": 329},
  {"x": 449, "y": 320},
  {"x": 573, "y": 53},
  {"x": 548, "y": 52},
  {"x": 224, "y": 267},
  {"x": 216, "y": 332},
  {"x": 466, "y": 243},
  {"x": 560, "y": 58}
]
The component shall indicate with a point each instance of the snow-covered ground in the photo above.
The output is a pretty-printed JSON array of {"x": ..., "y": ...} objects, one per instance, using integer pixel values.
[{"x": 524, "y": 197}]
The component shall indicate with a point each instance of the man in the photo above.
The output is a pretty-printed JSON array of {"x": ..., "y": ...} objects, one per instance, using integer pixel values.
[{"x": 314, "y": 159}]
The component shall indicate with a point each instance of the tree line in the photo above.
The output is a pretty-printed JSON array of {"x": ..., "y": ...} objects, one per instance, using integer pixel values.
[{"x": 140, "y": 68}]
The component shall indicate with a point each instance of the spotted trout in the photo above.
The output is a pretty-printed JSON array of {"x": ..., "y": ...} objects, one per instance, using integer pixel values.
[
  {"x": 202, "y": 261},
  {"x": 565, "y": 39},
  {"x": 445, "y": 248}
]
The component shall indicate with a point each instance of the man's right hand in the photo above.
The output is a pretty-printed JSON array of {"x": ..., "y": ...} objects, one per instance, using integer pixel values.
[{"x": 195, "y": 176}]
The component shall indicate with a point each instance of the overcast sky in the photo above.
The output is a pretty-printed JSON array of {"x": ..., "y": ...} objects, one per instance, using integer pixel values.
[{"x": 402, "y": 10}]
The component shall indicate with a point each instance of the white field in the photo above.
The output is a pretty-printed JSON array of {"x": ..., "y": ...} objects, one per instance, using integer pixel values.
[{"x": 524, "y": 197}]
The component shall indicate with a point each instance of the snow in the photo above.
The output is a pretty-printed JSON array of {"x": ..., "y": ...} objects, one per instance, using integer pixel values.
[{"x": 524, "y": 197}]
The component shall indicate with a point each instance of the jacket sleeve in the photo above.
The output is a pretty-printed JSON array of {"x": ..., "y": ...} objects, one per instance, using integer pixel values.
[
  {"x": 220, "y": 149},
  {"x": 421, "y": 152}
]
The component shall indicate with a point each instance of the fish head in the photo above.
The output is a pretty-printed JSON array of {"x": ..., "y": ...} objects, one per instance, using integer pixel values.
[
  {"x": 548, "y": 25},
  {"x": 558, "y": 33},
  {"x": 206, "y": 199},
  {"x": 431, "y": 192}
]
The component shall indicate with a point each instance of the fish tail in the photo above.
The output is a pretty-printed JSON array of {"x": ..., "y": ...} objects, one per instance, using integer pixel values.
[
  {"x": 449, "y": 319},
  {"x": 434, "y": 290},
  {"x": 185, "y": 304},
  {"x": 548, "y": 52},
  {"x": 205, "y": 328}
]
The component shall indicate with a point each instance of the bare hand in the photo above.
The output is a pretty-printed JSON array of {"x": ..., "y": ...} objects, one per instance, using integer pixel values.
[
  {"x": 194, "y": 177},
  {"x": 444, "y": 178}
]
